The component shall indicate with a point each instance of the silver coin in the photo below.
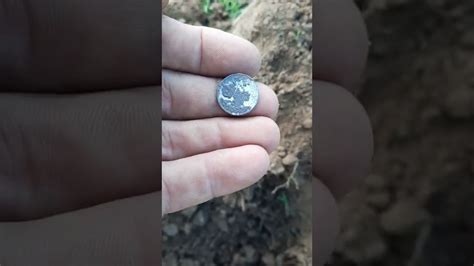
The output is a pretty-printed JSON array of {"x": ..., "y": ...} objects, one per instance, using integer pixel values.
[{"x": 237, "y": 94}]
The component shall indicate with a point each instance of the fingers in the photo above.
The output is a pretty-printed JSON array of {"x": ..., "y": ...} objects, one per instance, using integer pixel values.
[
  {"x": 182, "y": 139},
  {"x": 61, "y": 153},
  {"x": 325, "y": 223},
  {"x": 187, "y": 96},
  {"x": 206, "y": 51},
  {"x": 340, "y": 44},
  {"x": 115, "y": 233},
  {"x": 75, "y": 45},
  {"x": 193, "y": 180},
  {"x": 343, "y": 142}
]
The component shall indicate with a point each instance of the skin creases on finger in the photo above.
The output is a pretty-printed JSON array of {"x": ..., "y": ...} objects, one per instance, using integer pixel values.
[
  {"x": 187, "y": 138},
  {"x": 206, "y": 51},
  {"x": 112, "y": 233},
  {"x": 194, "y": 180},
  {"x": 79, "y": 46},
  {"x": 78, "y": 150}
]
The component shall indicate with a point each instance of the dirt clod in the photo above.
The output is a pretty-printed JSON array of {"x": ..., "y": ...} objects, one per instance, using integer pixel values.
[
  {"x": 189, "y": 211},
  {"x": 460, "y": 103},
  {"x": 376, "y": 182},
  {"x": 290, "y": 159},
  {"x": 268, "y": 259},
  {"x": 379, "y": 200},
  {"x": 170, "y": 229},
  {"x": 418, "y": 82},
  {"x": 308, "y": 123},
  {"x": 403, "y": 217},
  {"x": 201, "y": 218},
  {"x": 277, "y": 167}
]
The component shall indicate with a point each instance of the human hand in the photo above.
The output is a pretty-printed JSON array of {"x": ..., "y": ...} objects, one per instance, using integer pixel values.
[
  {"x": 343, "y": 144},
  {"x": 79, "y": 111},
  {"x": 206, "y": 153},
  {"x": 79, "y": 126},
  {"x": 113, "y": 233}
]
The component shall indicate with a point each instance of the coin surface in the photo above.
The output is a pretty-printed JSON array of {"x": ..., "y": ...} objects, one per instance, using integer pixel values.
[{"x": 237, "y": 94}]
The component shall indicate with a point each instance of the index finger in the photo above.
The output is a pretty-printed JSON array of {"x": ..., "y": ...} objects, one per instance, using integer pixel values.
[
  {"x": 206, "y": 51},
  {"x": 76, "y": 46},
  {"x": 340, "y": 44}
]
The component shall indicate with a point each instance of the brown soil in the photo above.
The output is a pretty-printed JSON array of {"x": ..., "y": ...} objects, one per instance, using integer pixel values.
[
  {"x": 257, "y": 226},
  {"x": 417, "y": 207}
]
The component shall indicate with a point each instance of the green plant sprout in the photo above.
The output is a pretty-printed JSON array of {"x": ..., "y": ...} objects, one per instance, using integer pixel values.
[
  {"x": 232, "y": 7},
  {"x": 206, "y": 6},
  {"x": 298, "y": 34},
  {"x": 286, "y": 203}
]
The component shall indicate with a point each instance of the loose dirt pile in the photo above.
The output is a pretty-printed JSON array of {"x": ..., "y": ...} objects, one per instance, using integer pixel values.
[{"x": 417, "y": 207}]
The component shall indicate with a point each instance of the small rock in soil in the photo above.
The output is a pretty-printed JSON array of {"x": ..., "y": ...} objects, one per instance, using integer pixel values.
[
  {"x": 170, "y": 229},
  {"x": 376, "y": 182},
  {"x": 251, "y": 255},
  {"x": 308, "y": 123},
  {"x": 170, "y": 260},
  {"x": 467, "y": 40},
  {"x": 375, "y": 250},
  {"x": 268, "y": 259},
  {"x": 222, "y": 224},
  {"x": 430, "y": 113},
  {"x": 252, "y": 233},
  {"x": 460, "y": 103},
  {"x": 187, "y": 262},
  {"x": 277, "y": 167},
  {"x": 187, "y": 228},
  {"x": 247, "y": 256},
  {"x": 379, "y": 200},
  {"x": 200, "y": 219},
  {"x": 293, "y": 256},
  {"x": 367, "y": 246},
  {"x": 403, "y": 217},
  {"x": 189, "y": 211},
  {"x": 282, "y": 154},
  {"x": 290, "y": 159},
  {"x": 238, "y": 260},
  {"x": 281, "y": 151}
]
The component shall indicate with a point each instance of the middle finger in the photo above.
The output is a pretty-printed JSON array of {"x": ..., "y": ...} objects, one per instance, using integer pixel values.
[
  {"x": 60, "y": 152},
  {"x": 186, "y": 138}
]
